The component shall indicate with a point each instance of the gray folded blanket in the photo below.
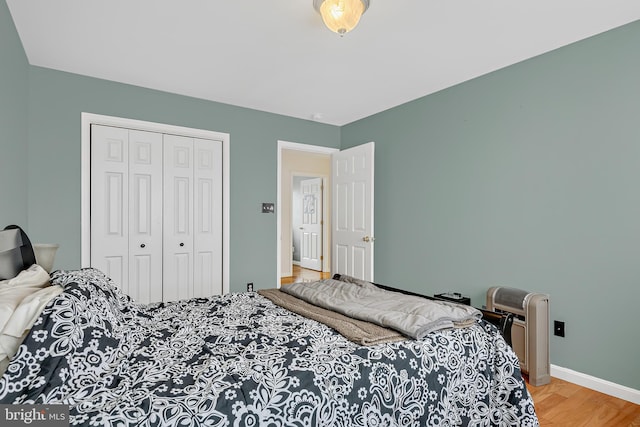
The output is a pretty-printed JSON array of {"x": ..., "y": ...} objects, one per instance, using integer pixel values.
[
  {"x": 411, "y": 315},
  {"x": 358, "y": 331}
]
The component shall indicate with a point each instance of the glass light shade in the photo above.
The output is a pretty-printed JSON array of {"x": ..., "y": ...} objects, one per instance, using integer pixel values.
[{"x": 342, "y": 16}]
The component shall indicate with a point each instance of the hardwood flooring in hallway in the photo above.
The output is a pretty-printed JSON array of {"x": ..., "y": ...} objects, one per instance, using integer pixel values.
[{"x": 303, "y": 275}]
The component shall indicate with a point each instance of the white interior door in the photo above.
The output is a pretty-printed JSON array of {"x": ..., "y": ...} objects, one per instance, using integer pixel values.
[
  {"x": 126, "y": 209},
  {"x": 352, "y": 234},
  {"x": 110, "y": 203},
  {"x": 145, "y": 216},
  {"x": 178, "y": 218},
  {"x": 207, "y": 238},
  {"x": 123, "y": 206},
  {"x": 311, "y": 228}
]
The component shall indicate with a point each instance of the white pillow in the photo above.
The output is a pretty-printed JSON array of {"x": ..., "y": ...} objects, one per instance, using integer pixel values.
[
  {"x": 28, "y": 311},
  {"x": 13, "y": 291},
  {"x": 10, "y": 299},
  {"x": 32, "y": 276},
  {"x": 23, "y": 316}
]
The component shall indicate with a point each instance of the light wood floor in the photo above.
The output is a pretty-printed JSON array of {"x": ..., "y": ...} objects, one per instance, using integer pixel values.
[
  {"x": 561, "y": 403},
  {"x": 303, "y": 275}
]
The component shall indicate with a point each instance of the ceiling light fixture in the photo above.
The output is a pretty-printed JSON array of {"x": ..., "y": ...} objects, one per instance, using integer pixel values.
[{"x": 341, "y": 16}]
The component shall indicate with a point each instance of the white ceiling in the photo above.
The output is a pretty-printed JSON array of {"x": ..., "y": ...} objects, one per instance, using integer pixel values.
[{"x": 277, "y": 56}]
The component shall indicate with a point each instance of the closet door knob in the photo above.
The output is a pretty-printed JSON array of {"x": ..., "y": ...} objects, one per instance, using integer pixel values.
[
  {"x": 142, "y": 245},
  {"x": 181, "y": 244}
]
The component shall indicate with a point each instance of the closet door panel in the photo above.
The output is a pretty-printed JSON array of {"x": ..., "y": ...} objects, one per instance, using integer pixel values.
[
  {"x": 145, "y": 216},
  {"x": 207, "y": 238},
  {"x": 156, "y": 213},
  {"x": 110, "y": 203},
  {"x": 178, "y": 218}
]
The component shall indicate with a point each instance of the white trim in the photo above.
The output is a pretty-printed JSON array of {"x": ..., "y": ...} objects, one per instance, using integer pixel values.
[
  {"x": 87, "y": 119},
  {"x": 282, "y": 145},
  {"x": 597, "y": 384}
]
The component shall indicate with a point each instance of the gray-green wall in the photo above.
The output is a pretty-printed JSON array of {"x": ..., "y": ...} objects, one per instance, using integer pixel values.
[
  {"x": 13, "y": 123},
  {"x": 56, "y": 101},
  {"x": 527, "y": 177}
]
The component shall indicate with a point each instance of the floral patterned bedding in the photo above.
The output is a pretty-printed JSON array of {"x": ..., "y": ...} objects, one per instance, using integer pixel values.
[{"x": 240, "y": 360}]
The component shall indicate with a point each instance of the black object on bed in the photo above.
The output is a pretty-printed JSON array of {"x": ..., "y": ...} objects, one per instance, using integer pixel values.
[
  {"x": 240, "y": 360},
  {"x": 16, "y": 252}
]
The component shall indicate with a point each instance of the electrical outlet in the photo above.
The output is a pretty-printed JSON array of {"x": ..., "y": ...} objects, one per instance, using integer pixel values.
[
  {"x": 558, "y": 328},
  {"x": 250, "y": 287}
]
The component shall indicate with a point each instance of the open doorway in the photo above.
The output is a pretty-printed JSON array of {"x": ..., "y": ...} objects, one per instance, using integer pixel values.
[{"x": 301, "y": 160}]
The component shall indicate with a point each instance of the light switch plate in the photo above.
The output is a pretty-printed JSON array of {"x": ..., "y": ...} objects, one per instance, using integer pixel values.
[{"x": 268, "y": 208}]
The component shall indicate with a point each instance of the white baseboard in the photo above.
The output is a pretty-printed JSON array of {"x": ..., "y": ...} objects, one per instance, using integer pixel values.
[{"x": 597, "y": 384}]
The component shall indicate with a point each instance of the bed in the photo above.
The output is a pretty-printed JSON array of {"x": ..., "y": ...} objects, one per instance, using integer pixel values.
[{"x": 241, "y": 360}]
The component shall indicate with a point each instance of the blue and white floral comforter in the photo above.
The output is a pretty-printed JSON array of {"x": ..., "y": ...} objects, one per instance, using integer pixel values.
[{"x": 240, "y": 360}]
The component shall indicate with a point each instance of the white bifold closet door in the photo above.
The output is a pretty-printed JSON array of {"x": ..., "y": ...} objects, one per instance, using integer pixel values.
[
  {"x": 156, "y": 213},
  {"x": 192, "y": 249}
]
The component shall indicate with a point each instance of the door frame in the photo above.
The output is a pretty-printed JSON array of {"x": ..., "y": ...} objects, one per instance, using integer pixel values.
[
  {"x": 317, "y": 149},
  {"x": 87, "y": 119}
]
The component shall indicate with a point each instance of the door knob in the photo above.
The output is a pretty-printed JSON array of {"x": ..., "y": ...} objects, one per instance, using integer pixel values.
[
  {"x": 181, "y": 244},
  {"x": 368, "y": 239},
  {"x": 142, "y": 245}
]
